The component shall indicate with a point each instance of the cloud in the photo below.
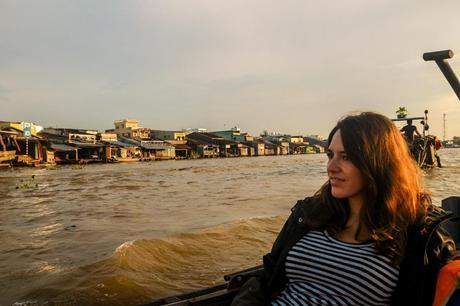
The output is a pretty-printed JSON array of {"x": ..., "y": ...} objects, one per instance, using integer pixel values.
[{"x": 297, "y": 65}]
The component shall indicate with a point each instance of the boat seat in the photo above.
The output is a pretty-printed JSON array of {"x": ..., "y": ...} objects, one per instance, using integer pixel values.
[{"x": 448, "y": 285}]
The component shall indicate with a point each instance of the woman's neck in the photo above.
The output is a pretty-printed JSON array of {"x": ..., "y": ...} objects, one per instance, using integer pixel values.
[
  {"x": 355, "y": 204},
  {"x": 354, "y": 231}
]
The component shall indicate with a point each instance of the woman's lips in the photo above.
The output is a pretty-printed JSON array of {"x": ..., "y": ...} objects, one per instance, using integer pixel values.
[{"x": 336, "y": 180}]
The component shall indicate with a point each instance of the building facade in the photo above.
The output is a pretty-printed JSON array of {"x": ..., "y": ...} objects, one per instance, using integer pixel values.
[
  {"x": 130, "y": 128},
  {"x": 167, "y": 135}
]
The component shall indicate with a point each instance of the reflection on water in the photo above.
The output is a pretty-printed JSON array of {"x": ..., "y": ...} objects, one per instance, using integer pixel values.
[{"x": 127, "y": 233}]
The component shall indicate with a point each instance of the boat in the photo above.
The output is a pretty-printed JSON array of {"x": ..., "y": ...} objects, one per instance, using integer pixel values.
[
  {"x": 423, "y": 151},
  {"x": 220, "y": 295},
  {"x": 424, "y": 148},
  {"x": 223, "y": 294}
]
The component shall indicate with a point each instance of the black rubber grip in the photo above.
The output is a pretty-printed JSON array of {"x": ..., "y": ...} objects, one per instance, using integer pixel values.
[{"x": 438, "y": 55}]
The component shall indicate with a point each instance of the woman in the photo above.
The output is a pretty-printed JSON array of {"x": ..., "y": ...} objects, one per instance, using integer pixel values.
[{"x": 369, "y": 236}]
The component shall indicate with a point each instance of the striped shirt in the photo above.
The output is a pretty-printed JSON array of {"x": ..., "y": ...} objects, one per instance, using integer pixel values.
[{"x": 322, "y": 270}]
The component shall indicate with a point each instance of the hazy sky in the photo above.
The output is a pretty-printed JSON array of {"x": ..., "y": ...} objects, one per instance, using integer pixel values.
[{"x": 287, "y": 66}]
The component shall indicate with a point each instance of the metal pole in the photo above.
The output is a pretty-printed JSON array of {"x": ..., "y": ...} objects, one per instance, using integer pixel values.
[
  {"x": 27, "y": 149},
  {"x": 444, "y": 127},
  {"x": 439, "y": 57}
]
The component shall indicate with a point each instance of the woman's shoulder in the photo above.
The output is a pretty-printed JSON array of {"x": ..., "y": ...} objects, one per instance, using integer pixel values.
[
  {"x": 311, "y": 211},
  {"x": 305, "y": 205},
  {"x": 424, "y": 231},
  {"x": 433, "y": 216},
  {"x": 437, "y": 212}
]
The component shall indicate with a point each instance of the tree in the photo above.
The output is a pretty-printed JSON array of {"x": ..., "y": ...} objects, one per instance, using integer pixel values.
[{"x": 401, "y": 112}]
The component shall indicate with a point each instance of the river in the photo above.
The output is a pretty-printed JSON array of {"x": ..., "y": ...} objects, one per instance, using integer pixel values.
[{"x": 126, "y": 234}]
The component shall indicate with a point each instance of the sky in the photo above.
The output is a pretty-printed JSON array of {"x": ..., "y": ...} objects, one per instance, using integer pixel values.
[{"x": 291, "y": 66}]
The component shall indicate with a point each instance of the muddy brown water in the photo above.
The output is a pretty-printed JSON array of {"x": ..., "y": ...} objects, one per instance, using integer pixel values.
[{"x": 126, "y": 234}]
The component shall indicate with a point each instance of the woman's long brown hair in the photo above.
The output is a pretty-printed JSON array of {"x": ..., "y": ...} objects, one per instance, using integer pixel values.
[{"x": 395, "y": 194}]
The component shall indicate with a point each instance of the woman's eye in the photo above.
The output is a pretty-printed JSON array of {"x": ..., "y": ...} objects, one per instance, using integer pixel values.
[
  {"x": 329, "y": 155},
  {"x": 344, "y": 157}
]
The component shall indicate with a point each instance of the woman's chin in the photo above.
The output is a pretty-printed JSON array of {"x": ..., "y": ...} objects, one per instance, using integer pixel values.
[{"x": 338, "y": 195}]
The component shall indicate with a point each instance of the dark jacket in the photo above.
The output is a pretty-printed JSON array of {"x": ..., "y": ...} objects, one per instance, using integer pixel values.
[{"x": 428, "y": 248}]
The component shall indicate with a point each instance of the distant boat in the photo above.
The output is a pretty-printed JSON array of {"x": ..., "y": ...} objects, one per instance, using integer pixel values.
[{"x": 423, "y": 149}]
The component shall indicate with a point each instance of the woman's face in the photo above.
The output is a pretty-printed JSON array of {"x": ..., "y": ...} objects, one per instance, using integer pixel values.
[{"x": 346, "y": 180}]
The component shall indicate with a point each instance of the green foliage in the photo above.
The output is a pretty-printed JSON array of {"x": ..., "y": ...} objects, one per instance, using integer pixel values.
[
  {"x": 27, "y": 184},
  {"x": 401, "y": 112}
]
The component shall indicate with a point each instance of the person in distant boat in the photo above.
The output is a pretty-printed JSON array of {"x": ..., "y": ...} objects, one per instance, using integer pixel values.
[
  {"x": 368, "y": 236},
  {"x": 409, "y": 130},
  {"x": 437, "y": 146}
]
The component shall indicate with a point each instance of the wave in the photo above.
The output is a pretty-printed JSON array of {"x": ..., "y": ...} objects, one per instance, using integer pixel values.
[{"x": 143, "y": 270}]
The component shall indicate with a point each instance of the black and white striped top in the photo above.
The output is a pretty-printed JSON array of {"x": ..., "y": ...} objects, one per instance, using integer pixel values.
[{"x": 322, "y": 270}]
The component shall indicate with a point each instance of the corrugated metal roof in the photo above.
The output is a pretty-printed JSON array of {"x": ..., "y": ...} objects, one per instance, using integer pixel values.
[
  {"x": 128, "y": 140},
  {"x": 180, "y": 146},
  {"x": 86, "y": 144},
  {"x": 198, "y": 142},
  {"x": 62, "y": 147},
  {"x": 150, "y": 146},
  {"x": 146, "y": 145},
  {"x": 10, "y": 132},
  {"x": 119, "y": 143}
]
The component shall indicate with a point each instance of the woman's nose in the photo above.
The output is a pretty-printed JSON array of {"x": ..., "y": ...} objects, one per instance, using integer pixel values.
[{"x": 332, "y": 165}]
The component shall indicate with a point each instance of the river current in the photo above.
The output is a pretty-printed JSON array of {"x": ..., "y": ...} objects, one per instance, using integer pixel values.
[{"x": 126, "y": 234}]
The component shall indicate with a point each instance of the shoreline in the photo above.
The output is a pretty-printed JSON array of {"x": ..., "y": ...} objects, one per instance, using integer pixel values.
[{"x": 83, "y": 163}]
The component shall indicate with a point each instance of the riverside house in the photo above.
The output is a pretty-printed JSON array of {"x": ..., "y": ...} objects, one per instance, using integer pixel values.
[
  {"x": 281, "y": 141},
  {"x": 294, "y": 139},
  {"x": 167, "y": 135},
  {"x": 18, "y": 150},
  {"x": 75, "y": 145},
  {"x": 8, "y": 148},
  {"x": 58, "y": 149},
  {"x": 89, "y": 150},
  {"x": 202, "y": 148},
  {"x": 176, "y": 139},
  {"x": 181, "y": 148},
  {"x": 152, "y": 149},
  {"x": 258, "y": 146},
  {"x": 118, "y": 151},
  {"x": 227, "y": 148},
  {"x": 22, "y": 138},
  {"x": 130, "y": 142},
  {"x": 129, "y": 128},
  {"x": 234, "y": 135},
  {"x": 299, "y": 148},
  {"x": 269, "y": 147},
  {"x": 316, "y": 141}
]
